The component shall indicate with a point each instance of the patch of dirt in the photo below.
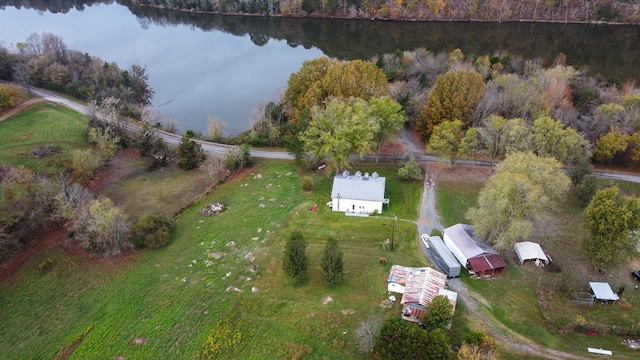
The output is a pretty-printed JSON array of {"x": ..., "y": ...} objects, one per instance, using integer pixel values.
[
  {"x": 465, "y": 174},
  {"x": 16, "y": 109},
  {"x": 119, "y": 168},
  {"x": 392, "y": 148},
  {"x": 54, "y": 236}
]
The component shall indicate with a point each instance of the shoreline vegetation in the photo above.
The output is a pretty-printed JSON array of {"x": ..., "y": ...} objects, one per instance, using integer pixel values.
[{"x": 597, "y": 12}]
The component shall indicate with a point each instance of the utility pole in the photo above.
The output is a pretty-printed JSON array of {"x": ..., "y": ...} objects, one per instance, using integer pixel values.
[{"x": 393, "y": 228}]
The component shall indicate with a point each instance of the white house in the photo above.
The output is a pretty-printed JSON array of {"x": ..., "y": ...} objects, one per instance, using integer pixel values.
[{"x": 358, "y": 193}]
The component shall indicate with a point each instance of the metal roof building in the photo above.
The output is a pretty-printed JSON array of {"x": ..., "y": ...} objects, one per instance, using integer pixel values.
[
  {"x": 419, "y": 287},
  {"x": 443, "y": 256},
  {"x": 602, "y": 291},
  {"x": 358, "y": 193},
  {"x": 530, "y": 251}
]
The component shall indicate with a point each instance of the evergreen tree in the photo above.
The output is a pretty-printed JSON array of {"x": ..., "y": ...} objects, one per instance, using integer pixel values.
[
  {"x": 190, "y": 153},
  {"x": 296, "y": 259},
  {"x": 332, "y": 263}
]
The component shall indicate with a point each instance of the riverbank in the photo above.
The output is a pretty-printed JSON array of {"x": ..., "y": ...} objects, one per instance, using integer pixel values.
[{"x": 589, "y": 12}]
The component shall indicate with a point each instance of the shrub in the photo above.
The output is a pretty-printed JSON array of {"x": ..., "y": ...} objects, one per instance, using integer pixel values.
[
  {"x": 238, "y": 158},
  {"x": 224, "y": 336},
  {"x": 410, "y": 171},
  {"x": 382, "y": 261},
  {"x": 307, "y": 183},
  {"x": 45, "y": 265},
  {"x": 151, "y": 231},
  {"x": 190, "y": 153}
]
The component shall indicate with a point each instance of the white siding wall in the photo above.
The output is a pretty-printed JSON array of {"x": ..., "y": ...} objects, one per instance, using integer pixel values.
[
  {"x": 361, "y": 206},
  {"x": 454, "y": 250}
]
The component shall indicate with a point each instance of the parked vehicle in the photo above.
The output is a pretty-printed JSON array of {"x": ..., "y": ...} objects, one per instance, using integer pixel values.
[
  {"x": 425, "y": 240},
  {"x": 636, "y": 274}
]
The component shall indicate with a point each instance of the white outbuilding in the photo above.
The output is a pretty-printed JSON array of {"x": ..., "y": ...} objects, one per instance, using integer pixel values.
[
  {"x": 602, "y": 291},
  {"x": 528, "y": 251}
]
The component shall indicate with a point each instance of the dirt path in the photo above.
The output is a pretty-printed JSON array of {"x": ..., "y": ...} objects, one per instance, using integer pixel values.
[
  {"x": 429, "y": 220},
  {"x": 16, "y": 109}
]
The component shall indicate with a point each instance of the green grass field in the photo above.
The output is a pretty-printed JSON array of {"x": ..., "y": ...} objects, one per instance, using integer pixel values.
[
  {"x": 41, "y": 124},
  {"x": 175, "y": 298}
]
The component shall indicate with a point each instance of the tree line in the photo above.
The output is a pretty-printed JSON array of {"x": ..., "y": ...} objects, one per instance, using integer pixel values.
[
  {"x": 43, "y": 60},
  {"x": 623, "y": 11},
  {"x": 620, "y": 11}
]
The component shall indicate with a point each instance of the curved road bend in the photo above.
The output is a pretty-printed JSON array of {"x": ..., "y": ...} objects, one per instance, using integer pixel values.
[{"x": 210, "y": 147}]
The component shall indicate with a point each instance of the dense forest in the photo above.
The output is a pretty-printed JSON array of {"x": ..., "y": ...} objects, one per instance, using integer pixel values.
[{"x": 590, "y": 11}]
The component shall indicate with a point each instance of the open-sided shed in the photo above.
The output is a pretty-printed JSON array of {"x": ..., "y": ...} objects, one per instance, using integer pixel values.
[
  {"x": 602, "y": 292},
  {"x": 528, "y": 251}
]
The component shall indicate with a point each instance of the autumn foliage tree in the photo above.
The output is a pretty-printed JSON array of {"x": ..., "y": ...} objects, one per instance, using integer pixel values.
[
  {"x": 453, "y": 97},
  {"x": 612, "y": 221},
  {"x": 324, "y": 78},
  {"x": 521, "y": 191},
  {"x": 449, "y": 140},
  {"x": 345, "y": 127}
]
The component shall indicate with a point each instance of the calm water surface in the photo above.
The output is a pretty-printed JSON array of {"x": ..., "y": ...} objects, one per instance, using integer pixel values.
[
  {"x": 204, "y": 66},
  {"x": 195, "y": 74}
]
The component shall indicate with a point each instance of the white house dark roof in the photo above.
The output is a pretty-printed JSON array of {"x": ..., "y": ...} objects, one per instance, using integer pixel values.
[
  {"x": 462, "y": 236},
  {"x": 358, "y": 186},
  {"x": 528, "y": 250},
  {"x": 602, "y": 291}
]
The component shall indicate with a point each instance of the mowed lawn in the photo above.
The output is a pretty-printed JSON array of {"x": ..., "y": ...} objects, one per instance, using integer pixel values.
[
  {"x": 41, "y": 124},
  {"x": 219, "y": 282}
]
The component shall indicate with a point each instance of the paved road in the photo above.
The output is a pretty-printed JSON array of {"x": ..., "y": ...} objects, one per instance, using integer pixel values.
[
  {"x": 167, "y": 137},
  {"x": 214, "y": 148}
]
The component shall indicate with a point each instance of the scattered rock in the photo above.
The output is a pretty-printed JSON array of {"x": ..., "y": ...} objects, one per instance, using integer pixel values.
[
  {"x": 259, "y": 230},
  {"x": 386, "y": 304},
  {"x": 208, "y": 263},
  {"x": 254, "y": 289},
  {"x": 215, "y": 255},
  {"x": 250, "y": 257},
  {"x": 348, "y": 311},
  {"x": 231, "y": 244},
  {"x": 259, "y": 176},
  {"x": 184, "y": 279},
  {"x": 288, "y": 173},
  {"x": 326, "y": 300},
  {"x": 272, "y": 199},
  {"x": 255, "y": 238},
  {"x": 212, "y": 209},
  {"x": 139, "y": 341},
  {"x": 229, "y": 288},
  {"x": 269, "y": 185},
  {"x": 262, "y": 205}
]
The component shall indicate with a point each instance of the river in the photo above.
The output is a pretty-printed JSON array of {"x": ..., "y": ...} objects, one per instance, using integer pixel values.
[{"x": 225, "y": 67}]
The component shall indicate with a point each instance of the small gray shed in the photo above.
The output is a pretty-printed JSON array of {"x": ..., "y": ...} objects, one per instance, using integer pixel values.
[{"x": 444, "y": 258}]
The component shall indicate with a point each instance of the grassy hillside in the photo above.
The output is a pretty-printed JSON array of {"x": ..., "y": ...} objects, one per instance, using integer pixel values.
[
  {"x": 41, "y": 124},
  {"x": 166, "y": 303}
]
